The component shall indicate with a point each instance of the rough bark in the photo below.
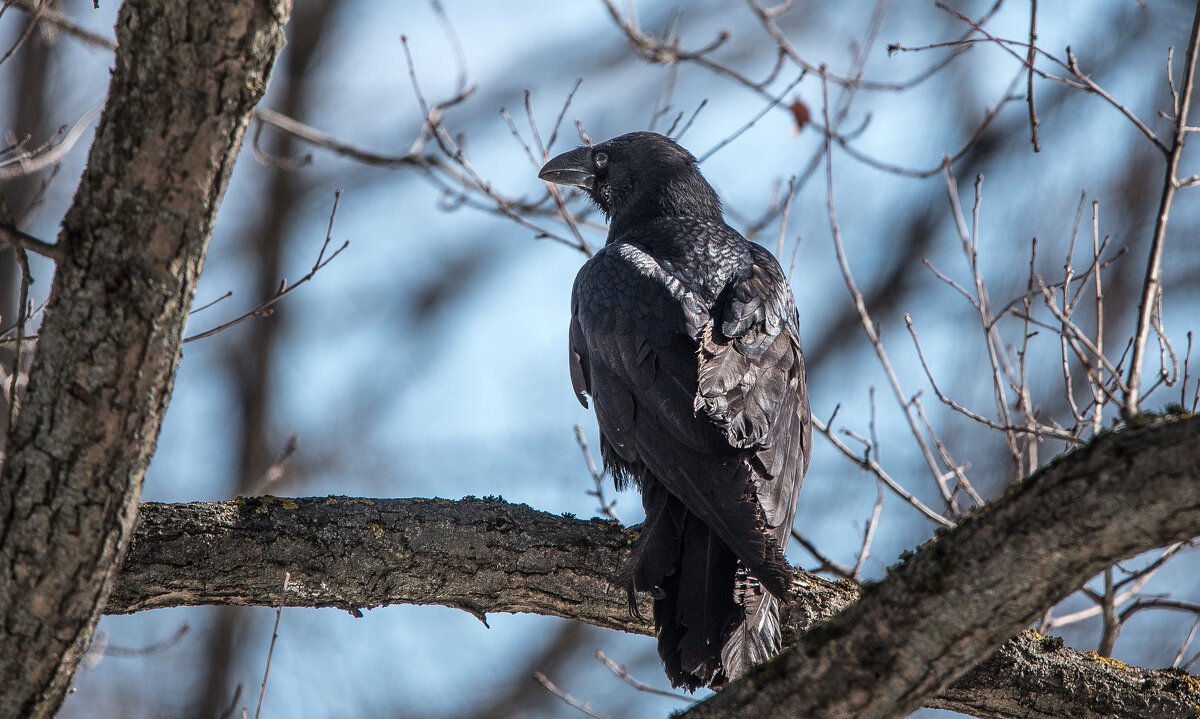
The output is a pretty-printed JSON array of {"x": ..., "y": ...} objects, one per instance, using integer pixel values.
[
  {"x": 952, "y": 603},
  {"x": 1129, "y": 492},
  {"x": 186, "y": 77}
]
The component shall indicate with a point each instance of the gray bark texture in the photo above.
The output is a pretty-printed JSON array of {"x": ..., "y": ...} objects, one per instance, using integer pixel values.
[
  {"x": 960, "y": 601},
  {"x": 132, "y": 245}
]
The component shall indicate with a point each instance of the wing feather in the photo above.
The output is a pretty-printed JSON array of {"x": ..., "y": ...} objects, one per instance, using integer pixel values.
[
  {"x": 638, "y": 336},
  {"x": 751, "y": 384}
]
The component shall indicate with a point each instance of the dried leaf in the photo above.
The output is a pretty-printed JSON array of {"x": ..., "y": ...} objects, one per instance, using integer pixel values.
[{"x": 800, "y": 114}]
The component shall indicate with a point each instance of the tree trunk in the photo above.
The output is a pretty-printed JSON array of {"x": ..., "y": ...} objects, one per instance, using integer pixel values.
[{"x": 186, "y": 78}]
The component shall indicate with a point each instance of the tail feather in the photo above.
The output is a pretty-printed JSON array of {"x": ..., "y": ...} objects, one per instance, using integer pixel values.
[
  {"x": 714, "y": 617},
  {"x": 697, "y": 608},
  {"x": 656, "y": 552},
  {"x": 757, "y": 637},
  {"x": 706, "y": 605}
]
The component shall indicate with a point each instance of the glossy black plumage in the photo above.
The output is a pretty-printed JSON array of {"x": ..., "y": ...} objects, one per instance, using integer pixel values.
[{"x": 685, "y": 336}]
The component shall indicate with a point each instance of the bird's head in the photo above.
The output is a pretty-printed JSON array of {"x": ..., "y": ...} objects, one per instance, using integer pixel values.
[{"x": 635, "y": 178}]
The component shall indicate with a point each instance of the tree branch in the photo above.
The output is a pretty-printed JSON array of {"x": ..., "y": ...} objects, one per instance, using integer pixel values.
[
  {"x": 950, "y": 605},
  {"x": 1126, "y": 492},
  {"x": 1148, "y": 305},
  {"x": 24, "y": 241}
]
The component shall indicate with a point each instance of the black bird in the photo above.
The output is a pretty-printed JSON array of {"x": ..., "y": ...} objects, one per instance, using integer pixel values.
[{"x": 685, "y": 335}]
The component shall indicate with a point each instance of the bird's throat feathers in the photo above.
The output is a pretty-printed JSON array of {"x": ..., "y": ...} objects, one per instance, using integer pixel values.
[{"x": 679, "y": 194}]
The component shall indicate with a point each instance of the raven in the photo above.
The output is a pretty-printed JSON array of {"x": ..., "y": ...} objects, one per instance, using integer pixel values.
[{"x": 685, "y": 335}]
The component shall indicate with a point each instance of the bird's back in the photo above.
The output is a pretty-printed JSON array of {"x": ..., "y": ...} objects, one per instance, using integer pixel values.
[{"x": 684, "y": 335}]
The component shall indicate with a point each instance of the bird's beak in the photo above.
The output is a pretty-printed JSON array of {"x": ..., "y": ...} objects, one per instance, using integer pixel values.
[{"x": 570, "y": 168}]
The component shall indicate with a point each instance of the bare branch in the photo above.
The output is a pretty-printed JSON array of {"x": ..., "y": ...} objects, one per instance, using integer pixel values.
[
  {"x": 264, "y": 309},
  {"x": 45, "y": 13},
  {"x": 271, "y": 650},
  {"x": 1029, "y": 59},
  {"x": 1152, "y": 286},
  {"x": 27, "y": 163},
  {"x": 624, "y": 675},
  {"x": 19, "y": 239},
  {"x": 570, "y": 700}
]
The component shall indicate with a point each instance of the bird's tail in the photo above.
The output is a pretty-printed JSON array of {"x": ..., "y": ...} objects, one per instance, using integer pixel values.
[
  {"x": 697, "y": 609},
  {"x": 756, "y": 637},
  {"x": 713, "y": 618}
]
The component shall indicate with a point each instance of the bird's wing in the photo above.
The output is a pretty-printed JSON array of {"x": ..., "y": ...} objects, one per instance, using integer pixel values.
[
  {"x": 751, "y": 383},
  {"x": 634, "y": 350}
]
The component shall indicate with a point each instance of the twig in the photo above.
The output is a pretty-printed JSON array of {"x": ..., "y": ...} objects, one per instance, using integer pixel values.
[
  {"x": 691, "y": 119},
  {"x": 264, "y": 309},
  {"x": 869, "y": 533},
  {"x": 460, "y": 56},
  {"x": 872, "y": 466},
  {"x": 625, "y": 676},
  {"x": 1183, "y": 649},
  {"x": 1029, "y": 58},
  {"x": 109, "y": 650},
  {"x": 1152, "y": 286},
  {"x": 827, "y": 564},
  {"x": 314, "y": 136},
  {"x": 29, "y": 163},
  {"x": 562, "y": 113},
  {"x": 606, "y": 508},
  {"x": 1082, "y": 81},
  {"x": 1159, "y": 603},
  {"x": 229, "y": 710},
  {"x": 787, "y": 206},
  {"x": 65, "y": 23},
  {"x": 860, "y": 306},
  {"x": 970, "y": 244},
  {"x": 286, "y": 164},
  {"x": 274, "y": 473},
  {"x": 572, "y": 701},
  {"x": 1037, "y": 430},
  {"x": 771, "y": 105},
  {"x": 1099, "y": 398},
  {"x": 287, "y": 576},
  {"x": 470, "y": 178},
  {"x": 1136, "y": 581},
  {"x": 227, "y": 295},
  {"x": 1076, "y": 334},
  {"x": 767, "y": 16},
  {"x": 956, "y": 469},
  {"x": 24, "y": 241},
  {"x": 37, "y": 11}
]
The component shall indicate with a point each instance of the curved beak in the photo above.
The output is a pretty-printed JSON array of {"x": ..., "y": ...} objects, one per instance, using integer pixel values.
[{"x": 570, "y": 168}]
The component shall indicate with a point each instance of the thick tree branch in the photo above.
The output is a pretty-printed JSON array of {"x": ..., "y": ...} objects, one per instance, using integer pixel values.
[
  {"x": 186, "y": 76},
  {"x": 964, "y": 594},
  {"x": 1115, "y": 498}
]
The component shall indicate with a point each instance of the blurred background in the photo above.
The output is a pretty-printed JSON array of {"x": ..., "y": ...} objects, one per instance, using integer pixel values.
[{"x": 429, "y": 358}]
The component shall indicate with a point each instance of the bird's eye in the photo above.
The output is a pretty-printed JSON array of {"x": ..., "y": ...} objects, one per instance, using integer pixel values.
[{"x": 600, "y": 160}]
